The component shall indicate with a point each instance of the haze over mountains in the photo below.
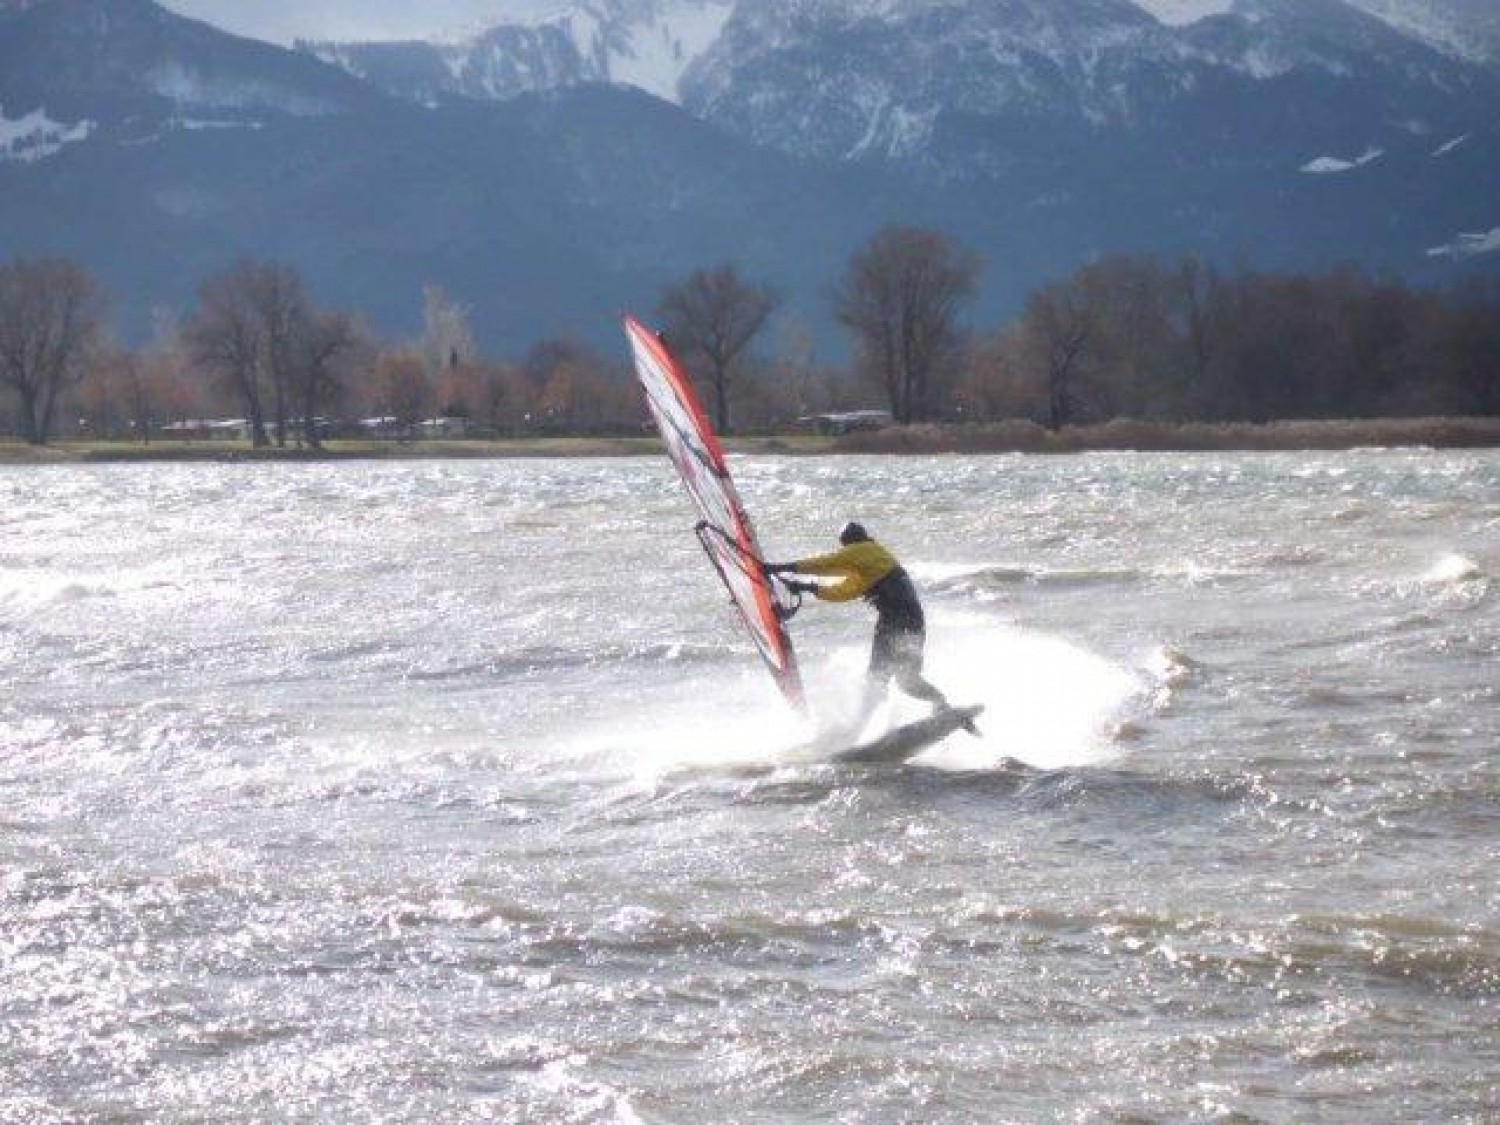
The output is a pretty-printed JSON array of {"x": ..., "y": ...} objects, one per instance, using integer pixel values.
[{"x": 553, "y": 169}]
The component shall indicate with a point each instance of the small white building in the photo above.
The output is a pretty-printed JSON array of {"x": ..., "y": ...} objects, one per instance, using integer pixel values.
[
  {"x": 446, "y": 427},
  {"x": 207, "y": 429},
  {"x": 848, "y": 421},
  {"x": 383, "y": 427}
]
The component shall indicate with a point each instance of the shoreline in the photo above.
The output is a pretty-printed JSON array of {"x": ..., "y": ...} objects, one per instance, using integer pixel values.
[{"x": 1123, "y": 436}]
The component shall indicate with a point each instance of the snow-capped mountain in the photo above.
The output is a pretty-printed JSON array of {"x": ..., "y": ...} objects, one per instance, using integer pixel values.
[
  {"x": 500, "y": 64},
  {"x": 1466, "y": 29},
  {"x": 912, "y": 79},
  {"x": 833, "y": 79},
  {"x": 648, "y": 44},
  {"x": 653, "y": 44},
  {"x": 966, "y": 88}
]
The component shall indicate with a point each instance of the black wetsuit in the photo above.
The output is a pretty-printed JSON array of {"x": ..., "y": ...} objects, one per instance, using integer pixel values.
[{"x": 900, "y": 627}]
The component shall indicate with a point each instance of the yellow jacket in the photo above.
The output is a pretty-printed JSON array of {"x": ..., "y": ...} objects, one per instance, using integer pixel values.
[{"x": 858, "y": 567}]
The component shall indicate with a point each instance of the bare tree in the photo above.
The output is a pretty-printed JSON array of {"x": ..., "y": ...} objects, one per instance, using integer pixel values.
[
  {"x": 50, "y": 321},
  {"x": 792, "y": 384},
  {"x": 900, "y": 297},
  {"x": 712, "y": 317},
  {"x": 1197, "y": 285},
  {"x": 257, "y": 330},
  {"x": 1139, "y": 330},
  {"x": 447, "y": 339},
  {"x": 137, "y": 397},
  {"x": 496, "y": 386},
  {"x": 280, "y": 300},
  {"x": 1000, "y": 381},
  {"x": 225, "y": 337},
  {"x": 113, "y": 396},
  {"x": 1059, "y": 328},
  {"x": 320, "y": 341},
  {"x": 404, "y": 389},
  {"x": 1469, "y": 355},
  {"x": 154, "y": 389}
]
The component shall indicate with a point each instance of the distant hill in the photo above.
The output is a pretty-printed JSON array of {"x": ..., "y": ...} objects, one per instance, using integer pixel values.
[{"x": 120, "y": 61}]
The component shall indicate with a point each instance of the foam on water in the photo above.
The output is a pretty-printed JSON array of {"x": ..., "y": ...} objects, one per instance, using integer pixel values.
[{"x": 1049, "y": 704}]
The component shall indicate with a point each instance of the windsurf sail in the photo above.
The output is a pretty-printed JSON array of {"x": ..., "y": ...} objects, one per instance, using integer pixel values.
[{"x": 725, "y": 531}]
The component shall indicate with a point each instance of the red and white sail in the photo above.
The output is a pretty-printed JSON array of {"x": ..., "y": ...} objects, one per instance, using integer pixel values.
[{"x": 725, "y": 530}]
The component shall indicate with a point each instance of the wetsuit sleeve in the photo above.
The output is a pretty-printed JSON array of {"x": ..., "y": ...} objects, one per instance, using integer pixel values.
[
  {"x": 836, "y": 565},
  {"x": 852, "y": 582},
  {"x": 845, "y": 590}
]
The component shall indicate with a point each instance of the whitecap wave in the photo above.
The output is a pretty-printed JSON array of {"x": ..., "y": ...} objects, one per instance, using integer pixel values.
[
  {"x": 35, "y": 589},
  {"x": 1453, "y": 570}
]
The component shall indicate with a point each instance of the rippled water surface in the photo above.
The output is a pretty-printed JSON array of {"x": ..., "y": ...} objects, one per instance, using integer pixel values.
[{"x": 450, "y": 792}]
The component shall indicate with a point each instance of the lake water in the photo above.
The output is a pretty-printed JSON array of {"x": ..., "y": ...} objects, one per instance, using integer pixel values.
[{"x": 449, "y": 791}]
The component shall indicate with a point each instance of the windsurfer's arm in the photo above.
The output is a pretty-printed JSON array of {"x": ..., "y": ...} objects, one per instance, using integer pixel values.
[
  {"x": 784, "y": 574},
  {"x": 836, "y": 565},
  {"x": 851, "y": 582}
]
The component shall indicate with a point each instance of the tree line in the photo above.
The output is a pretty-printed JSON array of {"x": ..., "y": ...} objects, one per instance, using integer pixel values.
[
  {"x": 1125, "y": 337},
  {"x": 1184, "y": 342}
]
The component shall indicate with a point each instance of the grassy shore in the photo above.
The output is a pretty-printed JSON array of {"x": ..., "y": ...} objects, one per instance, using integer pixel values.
[
  {"x": 1007, "y": 437},
  {"x": 129, "y": 451},
  {"x": 76, "y": 452},
  {"x": 1130, "y": 435}
]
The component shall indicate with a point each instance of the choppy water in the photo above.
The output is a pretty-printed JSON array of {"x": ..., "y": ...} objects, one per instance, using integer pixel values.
[{"x": 448, "y": 792}]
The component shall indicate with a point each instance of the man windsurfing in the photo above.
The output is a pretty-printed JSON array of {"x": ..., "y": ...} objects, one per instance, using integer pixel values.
[{"x": 865, "y": 569}]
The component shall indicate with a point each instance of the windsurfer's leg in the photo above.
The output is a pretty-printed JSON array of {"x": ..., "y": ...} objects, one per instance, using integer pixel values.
[
  {"x": 878, "y": 676},
  {"x": 909, "y": 676},
  {"x": 917, "y": 687},
  {"x": 906, "y": 663},
  {"x": 914, "y": 685}
]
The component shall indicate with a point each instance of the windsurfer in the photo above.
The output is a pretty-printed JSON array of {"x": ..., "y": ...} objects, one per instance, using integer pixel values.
[{"x": 865, "y": 569}]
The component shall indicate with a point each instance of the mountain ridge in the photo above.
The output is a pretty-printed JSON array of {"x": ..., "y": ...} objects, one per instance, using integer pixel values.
[
  {"x": 606, "y": 33},
  {"x": 856, "y": 79}
]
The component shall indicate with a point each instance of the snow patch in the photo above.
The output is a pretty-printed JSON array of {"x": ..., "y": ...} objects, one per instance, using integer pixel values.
[
  {"x": 892, "y": 130},
  {"x": 36, "y": 136},
  {"x": 1332, "y": 165},
  {"x": 660, "y": 51},
  {"x": 1468, "y": 245},
  {"x": 196, "y": 124},
  {"x": 1262, "y": 62},
  {"x": 194, "y": 89},
  {"x": 1459, "y": 30},
  {"x": 1179, "y": 13},
  {"x": 437, "y": 21}
]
